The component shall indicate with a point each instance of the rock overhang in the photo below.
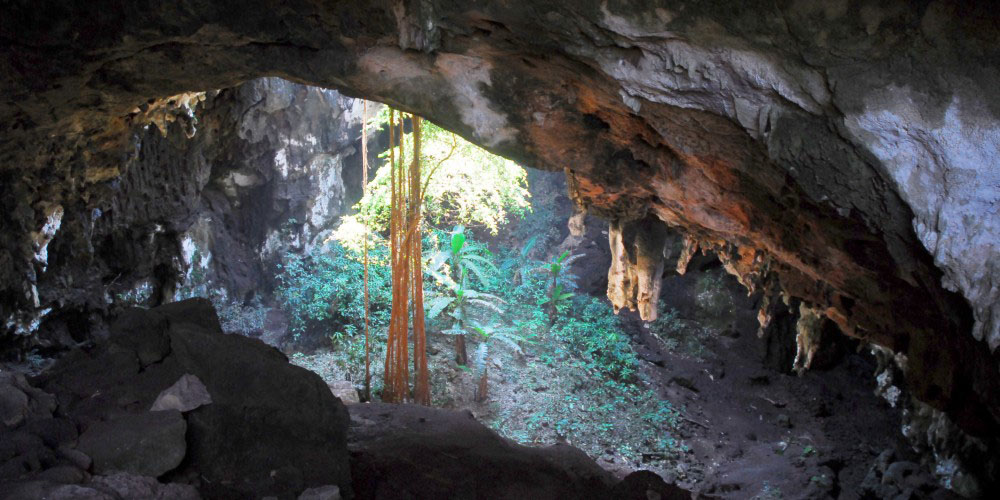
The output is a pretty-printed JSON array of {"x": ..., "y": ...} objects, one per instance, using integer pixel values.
[{"x": 737, "y": 124}]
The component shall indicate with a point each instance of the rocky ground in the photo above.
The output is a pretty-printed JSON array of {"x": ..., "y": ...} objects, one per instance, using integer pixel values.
[
  {"x": 169, "y": 407},
  {"x": 741, "y": 429}
]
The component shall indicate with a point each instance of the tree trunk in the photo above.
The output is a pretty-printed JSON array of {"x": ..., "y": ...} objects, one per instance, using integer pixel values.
[
  {"x": 482, "y": 391},
  {"x": 461, "y": 356}
]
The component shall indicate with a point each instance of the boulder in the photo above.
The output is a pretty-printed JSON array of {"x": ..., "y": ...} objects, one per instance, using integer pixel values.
[
  {"x": 644, "y": 484},
  {"x": 411, "y": 451},
  {"x": 147, "y": 444},
  {"x": 114, "y": 487},
  {"x": 185, "y": 395},
  {"x": 321, "y": 493},
  {"x": 266, "y": 415},
  {"x": 13, "y": 404},
  {"x": 19, "y": 400},
  {"x": 131, "y": 486},
  {"x": 345, "y": 391}
]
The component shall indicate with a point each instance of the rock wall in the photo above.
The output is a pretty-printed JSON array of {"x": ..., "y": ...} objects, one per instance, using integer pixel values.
[
  {"x": 219, "y": 184},
  {"x": 848, "y": 146}
]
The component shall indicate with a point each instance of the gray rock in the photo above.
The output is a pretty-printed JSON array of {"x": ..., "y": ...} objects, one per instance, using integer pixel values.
[
  {"x": 52, "y": 431},
  {"x": 266, "y": 414},
  {"x": 896, "y": 473},
  {"x": 185, "y": 395},
  {"x": 784, "y": 421},
  {"x": 19, "y": 400},
  {"x": 321, "y": 493},
  {"x": 131, "y": 486},
  {"x": 77, "y": 457},
  {"x": 52, "y": 491},
  {"x": 65, "y": 474},
  {"x": 345, "y": 391},
  {"x": 146, "y": 444},
  {"x": 136, "y": 331},
  {"x": 13, "y": 405}
]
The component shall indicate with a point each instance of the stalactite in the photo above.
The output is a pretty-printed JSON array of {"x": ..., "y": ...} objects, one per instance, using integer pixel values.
[{"x": 634, "y": 279}]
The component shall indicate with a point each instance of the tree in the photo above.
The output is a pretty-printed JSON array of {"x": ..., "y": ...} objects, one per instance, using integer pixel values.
[
  {"x": 407, "y": 276},
  {"x": 462, "y": 185}
]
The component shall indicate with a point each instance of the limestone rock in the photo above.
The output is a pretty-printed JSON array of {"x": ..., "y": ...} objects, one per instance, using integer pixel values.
[
  {"x": 634, "y": 279},
  {"x": 185, "y": 395},
  {"x": 133, "y": 486},
  {"x": 643, "y": 485},
  {"x": 321, "y": 493},
  {"x": 145, "y": 444},
  {"x": 265, "y": 414},
  {"x": 345, "y": 391},
  {"x": 19, "y": 400}
]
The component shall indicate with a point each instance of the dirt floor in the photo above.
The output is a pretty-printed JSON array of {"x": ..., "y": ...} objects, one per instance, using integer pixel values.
[
  {"x": 707, "y": 411},
  {"x": 744, "y": 430}
]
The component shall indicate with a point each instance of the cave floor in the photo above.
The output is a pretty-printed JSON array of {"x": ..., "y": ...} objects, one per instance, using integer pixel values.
[
  {"x": 766, "y": 433},
  {"x": 742, "y": 430}
]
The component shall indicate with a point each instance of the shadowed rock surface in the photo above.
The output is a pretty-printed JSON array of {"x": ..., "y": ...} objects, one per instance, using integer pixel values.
[
  {"x": 771, "y": 130},
  {"x": 410, "y": 451},
  {"x": 271, "y": 429},
  {"x": 265, "y": 416}
]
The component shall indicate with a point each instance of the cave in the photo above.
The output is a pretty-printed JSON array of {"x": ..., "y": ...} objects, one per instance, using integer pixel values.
[{"x": 832, "y": 165}]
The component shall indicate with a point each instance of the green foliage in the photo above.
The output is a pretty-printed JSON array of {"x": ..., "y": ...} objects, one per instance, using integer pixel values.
[
  {"x": 560, "y": 284},
  {"x": 450, "y": 267},
  {"x": 237, "y": 316},
  {"x": 491, "y": 334},
  {"x": 464, "y": 184},
  {"x": 322, "y": 293},
  {"x": 680, "y": 335},
  {"x": 595, "y": 335},
  {"x": 711, "y": 296}
]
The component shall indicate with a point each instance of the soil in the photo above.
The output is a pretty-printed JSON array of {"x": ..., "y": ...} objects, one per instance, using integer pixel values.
[{"x": 744, "y": 430}]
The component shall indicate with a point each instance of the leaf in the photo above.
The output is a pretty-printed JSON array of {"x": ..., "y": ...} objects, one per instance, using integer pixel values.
[
  {"x": 487, "y": 304},
  {"x": 510, "y": 342},
  {"x": 565, "y": 296},
  {"x": 437, "y": 305},
  {"x": 480, "y": 359},
  {"x": 478, "y": 258},
  {"x": 475, "y": 270},
  {"x": 457, "y": 241},
  {"x": 562, "y": 257},
  {"x": 444, "y": 280},
  {"x": 453, "y": 331},
  {"x": 438, "y": 260},
  {"x": 529, "y": 246},
  {"x": 481, "y": 331}
]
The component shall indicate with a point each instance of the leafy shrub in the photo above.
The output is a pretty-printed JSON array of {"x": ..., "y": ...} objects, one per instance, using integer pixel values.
[
  {"x": 323, "y": 293},
  {"x": 464, "y": 184},
  {"x": 678, "y": 334},
  {"x": 596, "y": 336},
  {"x": 239, "y": 317}
]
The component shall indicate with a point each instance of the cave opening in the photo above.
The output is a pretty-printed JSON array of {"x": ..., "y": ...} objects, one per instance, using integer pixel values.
[{"x": 758, "y": 261}]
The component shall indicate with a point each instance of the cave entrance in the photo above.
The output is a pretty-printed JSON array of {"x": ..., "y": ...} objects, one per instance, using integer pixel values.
[{"x": 273, "y": 238}]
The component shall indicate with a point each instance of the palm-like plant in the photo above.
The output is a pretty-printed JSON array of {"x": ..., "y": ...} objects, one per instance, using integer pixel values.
[
  {"x": 461, "y": 258},
  {"x": 560, "y": 284},
  {"x": 487, "y": 335}
]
